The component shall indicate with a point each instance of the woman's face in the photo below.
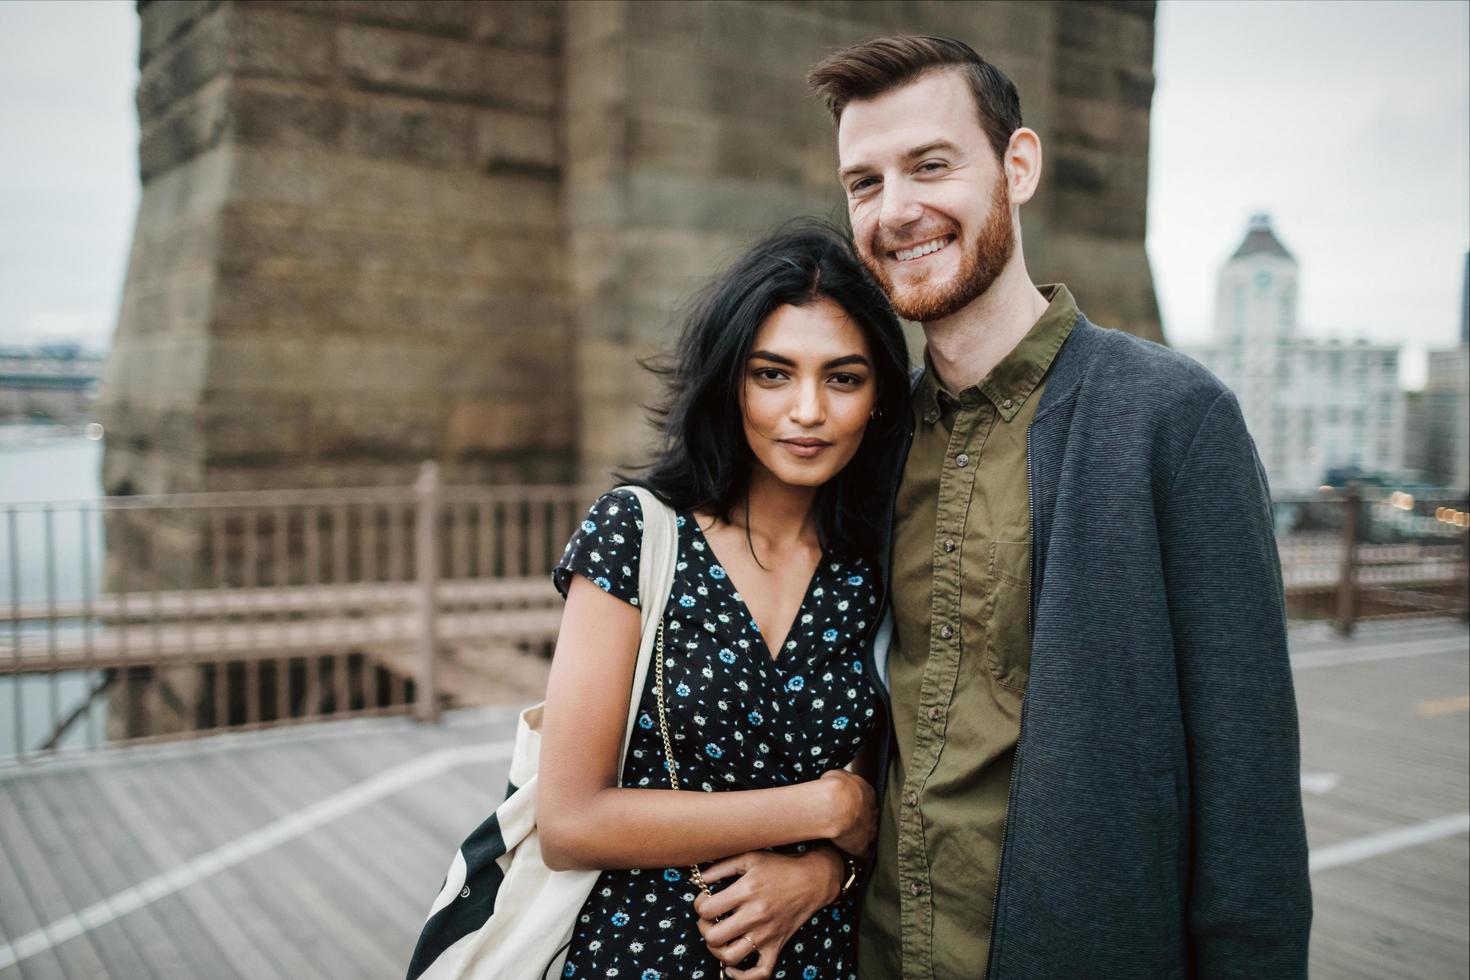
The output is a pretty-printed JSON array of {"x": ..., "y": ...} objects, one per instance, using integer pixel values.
[{"x": 809, "y": 391}]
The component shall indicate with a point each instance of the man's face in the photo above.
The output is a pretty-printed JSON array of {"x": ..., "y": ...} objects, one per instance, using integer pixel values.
[{"x": 928, "y": 200}]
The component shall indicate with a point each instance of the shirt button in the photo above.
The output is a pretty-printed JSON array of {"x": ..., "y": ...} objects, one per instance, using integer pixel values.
[
  {"x": 912, "y": 799},
  {"x": 946, "y": 631},
  {"x": 962, "y": 460},
  {"x": 915, "y": 888},
  {"x": 934, "y": 714},
  {"x": 948, "y": 544},
  {"x": 1007, "y": 403},
  {"x": 931, "y": 417}
]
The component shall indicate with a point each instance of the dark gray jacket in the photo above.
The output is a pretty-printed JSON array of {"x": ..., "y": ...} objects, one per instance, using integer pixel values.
[{"x": 1155, "y": 825}]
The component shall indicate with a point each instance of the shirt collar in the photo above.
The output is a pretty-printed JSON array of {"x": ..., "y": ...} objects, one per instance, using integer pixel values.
[{"x": 1016, "y": 377}]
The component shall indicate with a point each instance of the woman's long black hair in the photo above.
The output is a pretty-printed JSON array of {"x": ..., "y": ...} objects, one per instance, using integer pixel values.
[{"x": 704, "y": 461}]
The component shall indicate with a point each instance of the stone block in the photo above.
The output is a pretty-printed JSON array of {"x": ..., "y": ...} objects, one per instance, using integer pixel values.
[
  {"x": 196, "y": 188},
  {"x": 395, "y": 190},
  {"x": 184, "y": 67},
  {"x": 380, "y": 126},
  {"x": 241, "y": 426},
  {"x": 499, "y": 425},
  {"x": 442, "y": 17},
  {"x": 194, "y": 125},
  {"x": 531, "y": 24},
  {"x": 724, "y": 204},
  {"x": 1079, "y": 76},
  {"x": 175, "y": 305},
  {"x": 162, "y": 24},
  {"x": 162, "y": 249},
  {"x": 1135, "y": 86},
  {"x": 403, "y": 429},
  {"x": 269, "y": 42},
  {"x": 350, "y": 245},
  {"x": 516, "y": 142},
  {"x": 593, "y": 24},
  {"x": 411, "y": 64},
  {"x": 272, "y": 113}
]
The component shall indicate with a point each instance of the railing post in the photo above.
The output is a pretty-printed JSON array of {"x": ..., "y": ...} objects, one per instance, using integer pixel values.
[
  {"x": 1347, "y": 584},
  {"x": 426, "y": 568}
]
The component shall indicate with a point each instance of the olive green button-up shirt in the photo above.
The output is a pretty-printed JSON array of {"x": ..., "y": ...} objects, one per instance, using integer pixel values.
[{"x": 958, "y": 663}]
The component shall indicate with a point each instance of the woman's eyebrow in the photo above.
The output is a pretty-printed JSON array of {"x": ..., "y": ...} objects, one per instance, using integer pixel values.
[{"x": 765, "y": 355}]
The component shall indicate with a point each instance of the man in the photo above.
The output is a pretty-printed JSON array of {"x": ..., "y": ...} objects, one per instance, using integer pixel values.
[{"x": 1092, "y": 768}]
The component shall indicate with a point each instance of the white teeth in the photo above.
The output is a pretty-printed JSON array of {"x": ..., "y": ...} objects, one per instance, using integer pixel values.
[{"x": 907, "y": 254}]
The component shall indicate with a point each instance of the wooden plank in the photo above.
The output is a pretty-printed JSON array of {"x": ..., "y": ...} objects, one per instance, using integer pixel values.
[
  {"x": 176, "y": 917},
  {"x": 351, "y": 851},
  {"x": 114, "y": 944},
  {"x": 18, "y": 917},
  {"x": 411, "y": 835},
  {"x": 290, "y": 938},
  {"x": 162, "y": 832},
  {"x": 290, "y": 881},
  {"x": 79, "y": 956},
  {"x": 68, "y": 797}
]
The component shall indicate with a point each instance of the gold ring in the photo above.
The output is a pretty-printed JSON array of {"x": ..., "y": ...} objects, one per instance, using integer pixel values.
[{"x": 753, "y": 947}]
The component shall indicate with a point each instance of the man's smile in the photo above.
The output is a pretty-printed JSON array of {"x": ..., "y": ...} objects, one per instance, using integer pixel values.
[{"x": 922, "y": 249}]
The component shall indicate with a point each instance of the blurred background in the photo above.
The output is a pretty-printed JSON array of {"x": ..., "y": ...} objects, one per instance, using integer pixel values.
[{"x": 319, "y": 328}]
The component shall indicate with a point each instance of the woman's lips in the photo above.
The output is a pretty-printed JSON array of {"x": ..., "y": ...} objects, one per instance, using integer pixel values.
[{"x": 805, "y": 448}]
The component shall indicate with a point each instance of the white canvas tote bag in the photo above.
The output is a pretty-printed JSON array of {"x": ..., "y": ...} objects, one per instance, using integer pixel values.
[{"x": 502, "y": 914}]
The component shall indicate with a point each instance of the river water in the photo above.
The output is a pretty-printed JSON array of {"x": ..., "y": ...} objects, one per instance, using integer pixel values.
[{"x": 54, "y": 466}]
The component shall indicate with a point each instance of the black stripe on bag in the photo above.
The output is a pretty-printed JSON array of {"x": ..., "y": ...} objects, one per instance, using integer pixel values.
[{"x": 471, "y": 909}]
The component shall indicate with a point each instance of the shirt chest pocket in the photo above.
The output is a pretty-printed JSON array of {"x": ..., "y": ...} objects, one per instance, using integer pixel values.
[{"x": 1007, "y": 612}]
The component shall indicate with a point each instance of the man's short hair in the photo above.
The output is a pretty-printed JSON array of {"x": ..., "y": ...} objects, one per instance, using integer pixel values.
[{"x": 867, "y": 70}]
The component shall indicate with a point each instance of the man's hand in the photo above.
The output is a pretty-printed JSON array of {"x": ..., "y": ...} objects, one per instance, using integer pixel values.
[
  {"x": 854, "y": 809},
  {"x": 773, "y": 895}
]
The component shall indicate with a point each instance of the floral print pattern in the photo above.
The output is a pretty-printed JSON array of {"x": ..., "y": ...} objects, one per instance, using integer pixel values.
[{"x": 738, "y": 719}]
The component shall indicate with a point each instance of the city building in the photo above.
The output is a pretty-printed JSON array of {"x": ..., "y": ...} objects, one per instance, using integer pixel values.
[
  {"x": 1446, "y": 433},
  {"x": 1311, "y": 405}
]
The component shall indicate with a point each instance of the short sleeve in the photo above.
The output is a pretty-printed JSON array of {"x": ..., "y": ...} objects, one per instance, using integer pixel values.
[{"x": 605, "y": 547}]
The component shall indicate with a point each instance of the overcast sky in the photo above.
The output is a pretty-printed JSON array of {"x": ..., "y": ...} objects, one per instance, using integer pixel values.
[{"x": 1348, "y": 122}]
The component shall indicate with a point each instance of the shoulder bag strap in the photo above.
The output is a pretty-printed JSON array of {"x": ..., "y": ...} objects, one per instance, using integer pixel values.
[{"x": 655, "y": 578}]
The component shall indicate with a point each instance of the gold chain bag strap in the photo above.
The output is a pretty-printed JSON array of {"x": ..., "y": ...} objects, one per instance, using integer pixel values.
[{"x": 663, "y": 727}]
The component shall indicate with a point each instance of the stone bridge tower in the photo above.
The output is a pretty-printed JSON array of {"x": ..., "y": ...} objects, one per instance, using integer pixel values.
[{"x": 374, "y": 232}]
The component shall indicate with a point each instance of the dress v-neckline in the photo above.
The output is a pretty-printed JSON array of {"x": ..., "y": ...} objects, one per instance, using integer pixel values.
[{"x": 775, "y": 656}]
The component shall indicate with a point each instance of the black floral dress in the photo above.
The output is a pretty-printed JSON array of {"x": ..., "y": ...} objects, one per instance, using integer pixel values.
[{"x": 738, "y": 720}]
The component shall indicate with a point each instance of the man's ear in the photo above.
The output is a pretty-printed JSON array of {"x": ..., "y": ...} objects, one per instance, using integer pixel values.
[{"x": 1023, "y": 165}]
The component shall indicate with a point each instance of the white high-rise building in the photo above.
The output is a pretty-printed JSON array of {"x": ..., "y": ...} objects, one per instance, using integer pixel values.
[{"x": 1310, "y": 405}]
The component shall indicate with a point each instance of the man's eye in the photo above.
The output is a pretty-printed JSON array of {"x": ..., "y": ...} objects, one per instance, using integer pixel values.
[
  {"x": 930, "y": 166},
  {"x": 859, "y": 186}
]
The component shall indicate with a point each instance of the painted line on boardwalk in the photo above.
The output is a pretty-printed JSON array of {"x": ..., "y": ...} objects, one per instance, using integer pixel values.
[
  {"x": 227, "y": 855},
  {"x": 1350, "y": 852},
  {"x": 1320, "y": 783},
  {"x": 1338, "y": 656},
  {"x": 1444, "y": 706}
]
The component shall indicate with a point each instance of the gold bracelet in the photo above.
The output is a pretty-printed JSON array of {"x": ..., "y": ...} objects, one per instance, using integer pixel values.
[{"x": 851, "y": 865}]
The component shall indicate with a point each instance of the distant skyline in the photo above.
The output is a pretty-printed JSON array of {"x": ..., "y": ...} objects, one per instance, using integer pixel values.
[{"x": 1348, "y": 123}]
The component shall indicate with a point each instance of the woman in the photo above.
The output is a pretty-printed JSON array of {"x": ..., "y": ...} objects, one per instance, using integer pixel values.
[{"x": 788, "y": 388}]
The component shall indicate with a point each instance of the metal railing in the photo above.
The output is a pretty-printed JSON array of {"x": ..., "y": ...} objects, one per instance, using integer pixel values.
[
  {"x": 1364, "y": 553},
  {"x": 133, "y": 619}
]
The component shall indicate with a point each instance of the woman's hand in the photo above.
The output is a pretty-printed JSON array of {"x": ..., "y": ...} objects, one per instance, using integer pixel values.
[
  {"x": 854, "y": 808},
  {"x": 772, "y": 897}
]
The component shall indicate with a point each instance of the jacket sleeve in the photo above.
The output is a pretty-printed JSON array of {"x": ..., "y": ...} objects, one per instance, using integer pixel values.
[{"x": 1249, "y": 904}]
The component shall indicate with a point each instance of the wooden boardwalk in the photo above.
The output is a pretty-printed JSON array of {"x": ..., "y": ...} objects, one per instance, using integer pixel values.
[{"x": 314, "y": 852}]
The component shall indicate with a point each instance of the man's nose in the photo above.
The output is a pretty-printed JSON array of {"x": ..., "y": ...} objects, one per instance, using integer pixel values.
[{"x": 900, "y": 206}]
